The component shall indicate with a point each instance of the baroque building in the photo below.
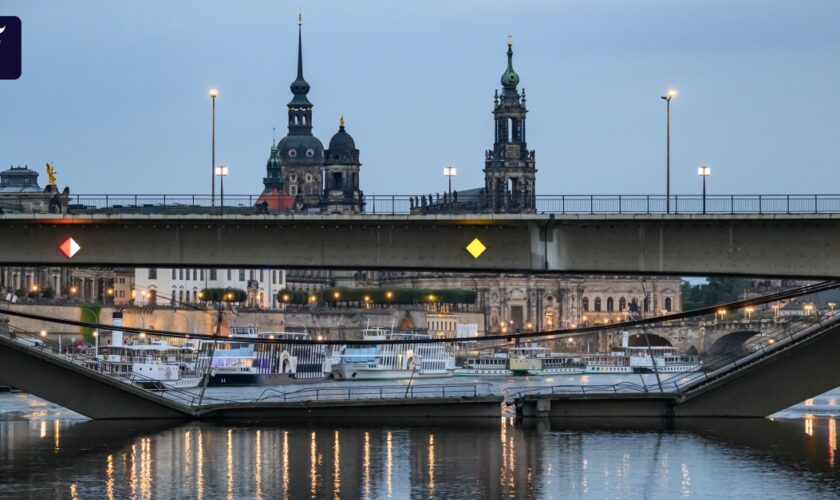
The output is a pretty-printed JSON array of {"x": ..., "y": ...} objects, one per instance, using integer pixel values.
[{"x": 298, "y": 165}]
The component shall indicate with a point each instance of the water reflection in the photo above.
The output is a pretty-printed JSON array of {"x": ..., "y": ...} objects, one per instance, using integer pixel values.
[{"x": 460, "y": 459}]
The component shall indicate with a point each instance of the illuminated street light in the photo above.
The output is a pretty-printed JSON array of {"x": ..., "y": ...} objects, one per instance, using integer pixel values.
[
  {"x": 35, "y": 288},
  {"x": 222, "y": 172},
  {"x": 749, "y": 310},
  {"x": 450, "y": 172},
  {"x": 43, "y": 333},
  {"x": 667, "y": 97},
  {"x": 312, "y": 298},
  {"x": 704, "y": 172},
  {"x": 73, "y": 289},
  {"x": 336, "y": 295}
]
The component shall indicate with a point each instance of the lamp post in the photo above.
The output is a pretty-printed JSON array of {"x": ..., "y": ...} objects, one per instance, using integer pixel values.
[
  {"x": 667, "y": 97},
  {"x": 213, "y": 94},
  {"x": 704, "y": 172},
  {"x": 450, "y": 172},
  {"x": 222, "y": 172}
]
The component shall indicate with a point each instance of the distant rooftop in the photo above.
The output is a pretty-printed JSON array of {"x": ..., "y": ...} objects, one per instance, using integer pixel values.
[{"x": 19, "y": 180}]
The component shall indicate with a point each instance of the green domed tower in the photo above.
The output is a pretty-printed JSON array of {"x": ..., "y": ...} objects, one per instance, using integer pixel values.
[{"x": 509, "y": 168}]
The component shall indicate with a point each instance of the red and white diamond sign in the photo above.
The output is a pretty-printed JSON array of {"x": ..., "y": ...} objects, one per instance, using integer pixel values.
[{"x": 69, "y": 247}]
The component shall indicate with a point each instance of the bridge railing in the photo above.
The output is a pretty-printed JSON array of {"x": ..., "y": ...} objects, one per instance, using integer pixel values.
[
  {"x": 403, "y": 204},
  {"x": 364, "y": 392}
]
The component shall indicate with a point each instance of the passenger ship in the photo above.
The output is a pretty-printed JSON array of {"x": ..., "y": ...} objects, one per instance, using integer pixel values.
[
  {"x": 525, "y": 360},
  {"x": 392, "y": 361},
  {"x": 154, "y": 365},
  {"x": 237, "y": 362},
  {"x": 626, "y": 359}
]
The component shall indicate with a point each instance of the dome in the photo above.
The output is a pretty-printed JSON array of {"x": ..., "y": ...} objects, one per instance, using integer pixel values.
[
  {"x": 300, "y": 149},
  {"x": 342, "y": 141},
  {"x": 509, "y": 78}
]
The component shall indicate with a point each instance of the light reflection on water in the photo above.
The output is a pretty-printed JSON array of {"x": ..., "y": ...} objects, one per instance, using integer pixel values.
[
  {"x": 749, "y": 458},
  {"x": 495, "y": 458}
]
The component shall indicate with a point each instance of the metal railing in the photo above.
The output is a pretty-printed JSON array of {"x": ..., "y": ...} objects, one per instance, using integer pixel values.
[{"x": 573, "y": 204}]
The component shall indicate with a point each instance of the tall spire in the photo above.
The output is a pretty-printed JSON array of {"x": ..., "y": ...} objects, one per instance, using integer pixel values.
[
  {"x": 300, "y": 87},
  {"x": 300, "y": 47}
]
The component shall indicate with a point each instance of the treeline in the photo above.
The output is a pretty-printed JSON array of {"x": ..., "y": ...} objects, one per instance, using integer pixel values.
[
  {"x": 714, "y": 291},
  {"x": 400, "y": 296}
]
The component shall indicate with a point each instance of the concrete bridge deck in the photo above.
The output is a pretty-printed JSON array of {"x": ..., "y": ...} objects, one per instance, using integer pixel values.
[
  {"x": 783, "y": 370},
  {"x": 794, "y": 245},
  {"x": 67, "y": 381}
]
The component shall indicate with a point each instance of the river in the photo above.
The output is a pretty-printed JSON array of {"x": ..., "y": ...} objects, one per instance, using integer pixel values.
[{"x": 49, "y": 452}]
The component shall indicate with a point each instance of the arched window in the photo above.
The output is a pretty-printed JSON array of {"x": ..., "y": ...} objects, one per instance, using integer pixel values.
[
  {"x": 180, "y": 296},
  {"x": 622, "y": 304},
  {"x": 610, "y": 304},
  {"x": 597, "y": 304},
  {"x": 585, "y": 304},
  {"x": 647, "y": 304},
  {"x": 188, "y": 296},
  {"x": 668, "y": 304}
]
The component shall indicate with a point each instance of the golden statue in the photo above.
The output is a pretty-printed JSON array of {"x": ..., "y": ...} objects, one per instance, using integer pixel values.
[{"x": 51, "y": 174}]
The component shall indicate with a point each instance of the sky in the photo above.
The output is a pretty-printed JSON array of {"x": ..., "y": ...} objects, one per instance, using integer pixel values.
[{"x": 115, "y": 94}]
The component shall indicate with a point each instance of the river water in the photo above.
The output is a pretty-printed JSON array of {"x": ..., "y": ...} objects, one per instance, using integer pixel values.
[{"x": 49, "y": 452}]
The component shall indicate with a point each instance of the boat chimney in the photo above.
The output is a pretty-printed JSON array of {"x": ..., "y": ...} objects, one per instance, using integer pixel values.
[{"x": 117, "y": 335}]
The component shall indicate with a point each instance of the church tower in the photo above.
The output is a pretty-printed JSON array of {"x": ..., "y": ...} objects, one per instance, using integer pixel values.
[
  {"x": 298, "y": 157},
  {"x": 509, "y": 168},
  {"x": 341, "y": 175}
]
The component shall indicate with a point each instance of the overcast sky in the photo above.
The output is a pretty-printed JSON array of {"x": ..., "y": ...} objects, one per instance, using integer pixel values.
[{"x": 115, "y": 93}]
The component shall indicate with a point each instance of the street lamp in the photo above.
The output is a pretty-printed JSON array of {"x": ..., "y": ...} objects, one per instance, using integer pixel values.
[
  {"x": 222, "y": 171},
  {"x": 667, "y": 97},
  {"x": 704, "y": 172},
  {"x": 213, "y": 94},
  {"x": 450, "y": 172},
  {"x": 749, "y": 310}
]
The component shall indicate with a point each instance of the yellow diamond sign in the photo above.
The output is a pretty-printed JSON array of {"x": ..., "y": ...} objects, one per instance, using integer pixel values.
[{"x": 476, "y": 248}]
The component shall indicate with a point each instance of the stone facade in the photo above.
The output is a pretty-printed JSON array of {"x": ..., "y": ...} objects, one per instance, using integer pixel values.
[{"x": 545, "y": 302}]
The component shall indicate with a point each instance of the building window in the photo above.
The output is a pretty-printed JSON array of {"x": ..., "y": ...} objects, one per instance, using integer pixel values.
[
  {"x": 181, "y": 274},
  {"x": 622, "y": 304},
  {"x": 261, "y": 275},
  {"x": 610, "y": 304},
  {"x": 597, "y": 304},
  {"x": 188, "y": 296},
  {"x": 201, "y": 274},
  {"x": 585, "y": 304},
  {"x": 251, "y": 275},
  {"x": 212, "y": 274},
  {"x": 241, "y": 275},
  {"x": 228, "y": 273},
  {"x": 668, "y": 304},
  {"x": 195, "y": 274},
  {"x": 152, "y": 273},
  {"x": 274, "y": 277},
  {"x": 173, "y": 273},
  {"x": 293, "y": 190}
]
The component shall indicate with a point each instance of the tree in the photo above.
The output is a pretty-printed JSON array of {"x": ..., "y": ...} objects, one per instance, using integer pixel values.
[{"x": 715, "y": 291}]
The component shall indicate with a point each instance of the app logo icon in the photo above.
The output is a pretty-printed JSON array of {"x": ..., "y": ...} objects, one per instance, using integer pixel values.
[{"x": 10, "y": 48}]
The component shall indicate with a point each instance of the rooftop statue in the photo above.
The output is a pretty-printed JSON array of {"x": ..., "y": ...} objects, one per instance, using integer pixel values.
[{"x": 51, "y": 174}]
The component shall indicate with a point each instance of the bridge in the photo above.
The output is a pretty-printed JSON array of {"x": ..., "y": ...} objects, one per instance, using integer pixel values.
[
  {"x": 794, "y": 245},
  {"x": 780, "y": 368}
]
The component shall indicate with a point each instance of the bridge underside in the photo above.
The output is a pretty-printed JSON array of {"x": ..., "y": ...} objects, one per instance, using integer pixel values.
[
  {"x": 93, "y": 395},
  {"x": 779, "y": 381},
  {"x": 778, "y": 245}
]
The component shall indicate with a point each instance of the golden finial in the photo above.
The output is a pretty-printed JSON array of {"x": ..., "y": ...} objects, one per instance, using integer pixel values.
[
  {"x": 341, "y": 121},
  {"x": 300, "y": 18},
  {"x": 510, "y": 41}
]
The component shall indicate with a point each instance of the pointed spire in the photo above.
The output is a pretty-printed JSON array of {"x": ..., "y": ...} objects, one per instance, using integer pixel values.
[
  {"x": 300, "y": 47},
  {"x": 300, "y": 87}
]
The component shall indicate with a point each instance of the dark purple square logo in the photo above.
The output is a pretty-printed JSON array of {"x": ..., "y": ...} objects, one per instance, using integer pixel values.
[{"x": 10, "y": 53}]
